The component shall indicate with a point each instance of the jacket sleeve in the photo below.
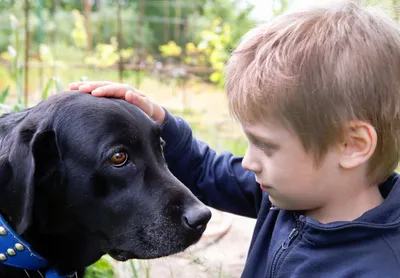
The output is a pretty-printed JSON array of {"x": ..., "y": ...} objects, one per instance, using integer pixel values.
[{"x": 219, "y": 181}]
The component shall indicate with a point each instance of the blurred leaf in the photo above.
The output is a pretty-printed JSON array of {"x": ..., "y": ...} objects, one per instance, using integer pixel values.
[
  {"x": 59, "y": 86},
  {"x": 46, "y": 54},
  {"x": 45, "y": 92},
  {"x": 100, "y": 269},
  {"x": 4, "y": 94},
  {"x": 215, "y": 77},
  {"x": 134, "y": 270},
  {"x": 170, "y": 49}
]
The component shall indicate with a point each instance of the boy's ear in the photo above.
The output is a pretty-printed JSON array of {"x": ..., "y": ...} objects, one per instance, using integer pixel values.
[{"x": 359, "y": 144}]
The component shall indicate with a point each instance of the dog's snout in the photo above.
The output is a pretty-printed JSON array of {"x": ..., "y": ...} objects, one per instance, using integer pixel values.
[{"x": 196, "y": 218}]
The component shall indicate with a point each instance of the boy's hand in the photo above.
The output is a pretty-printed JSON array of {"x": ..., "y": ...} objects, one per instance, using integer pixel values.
[{"x": 124, "y": 91}]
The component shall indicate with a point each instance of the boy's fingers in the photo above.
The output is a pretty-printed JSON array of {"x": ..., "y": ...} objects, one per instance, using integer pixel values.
[
  {"x": 130, "y": 97},
  {"x": 139, "y": 101},
  {"x": 140, "y": 93},
  {"x": 75, "y": 85},
  {"x": 89, "y": 86},
  {"x": 112, "y": 90}
]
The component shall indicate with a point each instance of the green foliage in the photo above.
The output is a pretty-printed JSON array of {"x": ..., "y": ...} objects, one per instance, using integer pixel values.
[
  {"x": 14, "y": 56},
  {"x": 140, "y": 268},
  {"x": 106, "y": 55},
  {"x": 58, "y": 86},
  {"x": 100, "y": 269},
  {"x": 171, "y": 49},
  {"x": 215, "y": 34},
  {"x": 79, "y": 34},
  {"x": 104, "y": 26},
  {"x": 4, "y": 95},
  {"x": 229, "y": 13},
  {"x": 279, "y": 6},
  {"x": 216, "y": 42},
  {"x": 67, "y": 26},
  {"x": 174, "y": 17}
]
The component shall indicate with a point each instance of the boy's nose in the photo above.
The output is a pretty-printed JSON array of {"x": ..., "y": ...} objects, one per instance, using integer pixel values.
[{"x": 250, "y": 164}]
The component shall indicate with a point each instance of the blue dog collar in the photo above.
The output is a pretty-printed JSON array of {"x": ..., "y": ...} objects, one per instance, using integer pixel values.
[{"x": 16, "y": 252}]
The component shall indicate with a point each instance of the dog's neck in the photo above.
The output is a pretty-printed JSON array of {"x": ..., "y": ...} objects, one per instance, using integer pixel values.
[
  {"x": 65, "y": 252},
  {"x": 65, "y": 248}
]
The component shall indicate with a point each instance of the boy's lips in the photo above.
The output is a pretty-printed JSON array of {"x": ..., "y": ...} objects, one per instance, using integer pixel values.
[{"x": 265, "y": 187}]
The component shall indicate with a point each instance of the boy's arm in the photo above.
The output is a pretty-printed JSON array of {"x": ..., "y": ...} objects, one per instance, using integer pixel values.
[{"x": 218, "y": 180}]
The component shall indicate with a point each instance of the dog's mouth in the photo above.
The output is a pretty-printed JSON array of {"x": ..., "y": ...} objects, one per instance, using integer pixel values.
[{"x": 121, "y": 255}]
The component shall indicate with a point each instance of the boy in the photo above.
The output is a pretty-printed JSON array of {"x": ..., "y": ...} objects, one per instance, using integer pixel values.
[{"x": 317, "y": 94}]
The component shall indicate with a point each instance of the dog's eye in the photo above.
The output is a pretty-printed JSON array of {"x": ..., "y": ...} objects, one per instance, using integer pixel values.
[{"x": 119, "y": 159}]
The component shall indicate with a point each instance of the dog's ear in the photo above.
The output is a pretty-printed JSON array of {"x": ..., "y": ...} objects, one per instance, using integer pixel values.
[{"x": 33, "y": 152}]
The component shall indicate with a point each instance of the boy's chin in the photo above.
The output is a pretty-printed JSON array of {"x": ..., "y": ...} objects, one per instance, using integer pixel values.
[
  {"x": 275, "y": 202},
  {"x": 283, "y": 205}
]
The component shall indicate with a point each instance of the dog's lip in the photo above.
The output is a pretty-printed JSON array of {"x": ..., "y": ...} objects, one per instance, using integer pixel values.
[{"x": 121, "y": 255}]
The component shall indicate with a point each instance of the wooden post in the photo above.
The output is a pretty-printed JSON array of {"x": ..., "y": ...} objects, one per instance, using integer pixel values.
[
  {"x": 87, "y": 11},
  {"x": 166, "y": 20},
  {"x": 140, "y": 43},
  {"x": 119, "y": 40},
  {"x": 178, "y": 9},
  {"x": 54, "y": 4},
  {"x": 27, "y": 47},
  {"x": 40, "y": 40},
  {"x": 98, "y": 3}
]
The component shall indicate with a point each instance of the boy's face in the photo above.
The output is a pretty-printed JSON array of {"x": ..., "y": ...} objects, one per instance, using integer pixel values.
[{"x": 286, "y": 171}]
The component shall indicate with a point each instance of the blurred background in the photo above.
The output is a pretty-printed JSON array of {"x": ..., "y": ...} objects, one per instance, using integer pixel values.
[{"x": 174, "y": 51}]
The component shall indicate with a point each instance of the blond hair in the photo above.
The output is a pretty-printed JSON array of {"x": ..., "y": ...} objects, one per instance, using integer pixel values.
[{"x": 317, "y": 69}]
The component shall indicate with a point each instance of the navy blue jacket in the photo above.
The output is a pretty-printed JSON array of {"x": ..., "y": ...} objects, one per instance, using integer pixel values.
[{"x": 287, "y": 244}]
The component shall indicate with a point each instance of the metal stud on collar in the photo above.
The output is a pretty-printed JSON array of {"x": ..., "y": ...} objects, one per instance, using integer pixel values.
[
  {"x": 11, "y": 252},
  {"x": 3, "y": 231},
  {"x": 3, "y": 257},
  {"x": 19, "y": 247}
]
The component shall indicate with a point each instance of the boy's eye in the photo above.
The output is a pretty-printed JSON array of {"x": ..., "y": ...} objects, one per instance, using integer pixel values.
[
  {"x": 267, "y": 149},
  {"x": 261, "y": 146}
]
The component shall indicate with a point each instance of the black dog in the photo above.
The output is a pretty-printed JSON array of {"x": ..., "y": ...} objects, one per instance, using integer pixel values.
[{"x": 82, "y": 176}]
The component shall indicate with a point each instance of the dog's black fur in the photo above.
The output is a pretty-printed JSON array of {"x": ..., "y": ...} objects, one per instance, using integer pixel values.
[{"x": 60, "y": 192}]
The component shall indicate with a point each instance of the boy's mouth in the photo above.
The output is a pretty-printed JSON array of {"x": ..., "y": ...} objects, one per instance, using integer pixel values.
[{"x": 265, "y": 187}]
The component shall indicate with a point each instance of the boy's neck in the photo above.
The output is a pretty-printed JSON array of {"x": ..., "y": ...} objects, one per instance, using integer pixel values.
[{"x": 348, "y": 208}]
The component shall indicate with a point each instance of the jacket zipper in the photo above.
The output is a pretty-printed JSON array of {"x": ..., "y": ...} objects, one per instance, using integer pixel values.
[{"x": 284, "y": 246}]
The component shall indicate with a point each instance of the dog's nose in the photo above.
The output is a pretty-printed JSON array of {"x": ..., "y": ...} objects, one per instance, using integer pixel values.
[{"x": 196, "y": 218}]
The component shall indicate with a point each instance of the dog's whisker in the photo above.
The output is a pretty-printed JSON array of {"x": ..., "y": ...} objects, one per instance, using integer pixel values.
[
  {"x": 40, "y": 274},
  {"x": 27, "y": 274}
]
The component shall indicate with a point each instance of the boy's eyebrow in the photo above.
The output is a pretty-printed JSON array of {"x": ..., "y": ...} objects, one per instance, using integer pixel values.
[{"x": 266, "y": 141}]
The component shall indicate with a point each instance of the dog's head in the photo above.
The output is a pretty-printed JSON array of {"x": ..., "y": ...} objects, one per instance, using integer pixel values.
[{"x": 87, "y": 175}]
